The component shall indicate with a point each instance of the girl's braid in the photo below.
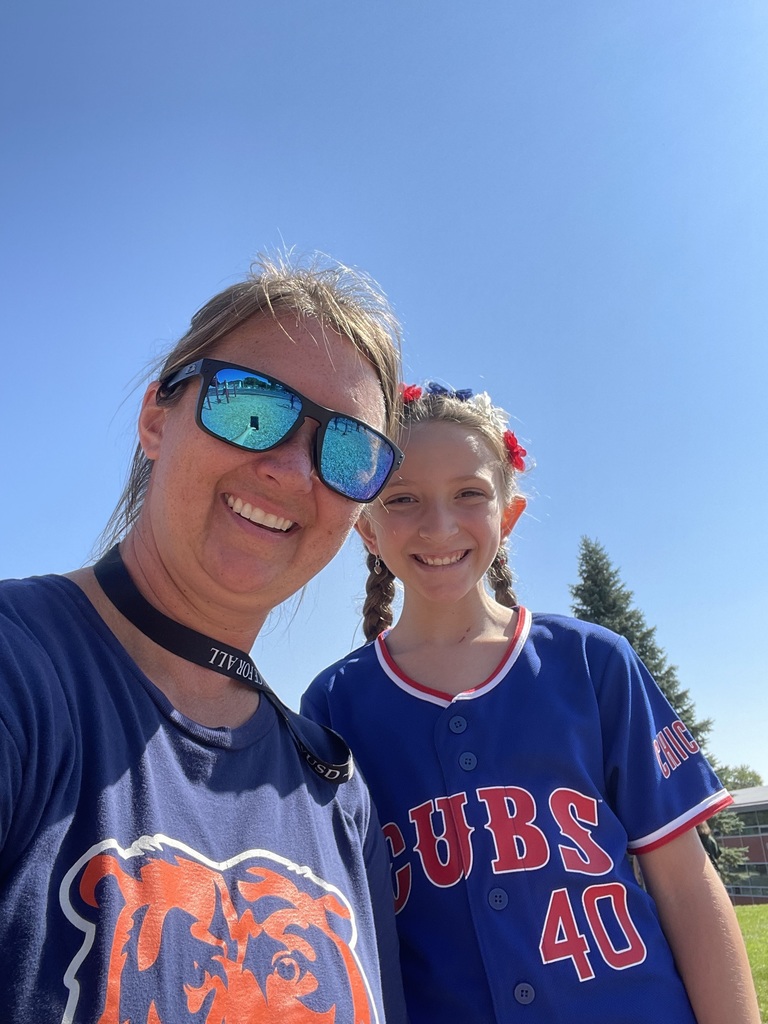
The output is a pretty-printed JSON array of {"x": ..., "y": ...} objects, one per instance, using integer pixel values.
[
  {"x": 500, "y": 577},
  {"x": 380, "y": 593}
]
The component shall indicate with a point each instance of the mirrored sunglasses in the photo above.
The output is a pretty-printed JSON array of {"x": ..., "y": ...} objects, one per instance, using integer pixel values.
[{"x": 255, "y": 412}]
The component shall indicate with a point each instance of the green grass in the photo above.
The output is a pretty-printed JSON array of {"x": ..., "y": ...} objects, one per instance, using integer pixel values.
[{"x": 754, "y": 926}]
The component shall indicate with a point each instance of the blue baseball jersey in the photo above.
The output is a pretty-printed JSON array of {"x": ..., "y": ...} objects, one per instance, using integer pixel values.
[
  {"x": 509, "y": 811},
  {"x": 157, "y": 871}
]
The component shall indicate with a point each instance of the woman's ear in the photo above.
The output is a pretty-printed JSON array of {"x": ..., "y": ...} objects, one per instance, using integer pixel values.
[
  {"x": 512, "y": 513},
  {"x": 152, "y": 419},
  {"x": 364, "y": 527}
]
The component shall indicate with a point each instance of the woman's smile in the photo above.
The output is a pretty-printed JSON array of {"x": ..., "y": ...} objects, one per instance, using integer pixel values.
[{"x": 258, "y": 515}]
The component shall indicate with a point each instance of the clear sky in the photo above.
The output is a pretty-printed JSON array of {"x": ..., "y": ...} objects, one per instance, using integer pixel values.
[{"x": 567, "y": 203}]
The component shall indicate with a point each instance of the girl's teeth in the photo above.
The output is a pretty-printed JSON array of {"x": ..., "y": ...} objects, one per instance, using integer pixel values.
[{"x": 442, "y": 561}]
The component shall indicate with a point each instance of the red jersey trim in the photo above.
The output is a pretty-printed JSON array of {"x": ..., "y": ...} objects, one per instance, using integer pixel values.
[
  {"x": 399, "y": 678},
  {"x": 712, "y": 805}
]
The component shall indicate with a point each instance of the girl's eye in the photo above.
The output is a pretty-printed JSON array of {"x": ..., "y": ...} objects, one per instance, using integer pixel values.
[
  {"x": 399, "y": 499},
  {"x": 471, "y": 493}
]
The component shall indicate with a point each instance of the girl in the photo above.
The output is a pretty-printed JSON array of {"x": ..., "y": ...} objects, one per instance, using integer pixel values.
[{"x": 515, "y": 760}]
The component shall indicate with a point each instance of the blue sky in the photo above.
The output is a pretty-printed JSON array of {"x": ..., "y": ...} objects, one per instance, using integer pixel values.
[{"x": 566, "y": 203}]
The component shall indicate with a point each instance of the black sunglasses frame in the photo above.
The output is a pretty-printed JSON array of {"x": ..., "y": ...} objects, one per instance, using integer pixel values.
[{"x": 207, "y": 369}]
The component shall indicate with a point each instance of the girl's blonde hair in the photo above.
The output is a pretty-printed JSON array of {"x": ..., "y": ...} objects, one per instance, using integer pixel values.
[{"x": 435, "y": 403}]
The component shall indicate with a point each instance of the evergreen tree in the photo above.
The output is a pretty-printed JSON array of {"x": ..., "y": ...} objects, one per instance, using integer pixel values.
[{"x": 600, "y": 596}]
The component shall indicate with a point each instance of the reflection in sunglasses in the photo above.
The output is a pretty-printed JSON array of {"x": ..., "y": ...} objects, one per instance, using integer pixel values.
[{"x": 230, "y": 412}]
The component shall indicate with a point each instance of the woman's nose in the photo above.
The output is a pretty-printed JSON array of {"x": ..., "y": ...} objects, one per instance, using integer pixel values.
[{"x": 291, "y": 463}]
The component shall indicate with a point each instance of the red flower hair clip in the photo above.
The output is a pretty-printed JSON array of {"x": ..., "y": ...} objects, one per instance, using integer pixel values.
[
  {"x": 515, "y": 451},
  {"x": 410, "y": 393},
  {"x": 496, "y": 418}
]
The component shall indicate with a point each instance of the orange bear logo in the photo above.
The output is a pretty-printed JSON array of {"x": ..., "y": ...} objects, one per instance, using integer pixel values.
[{"x": 174, "y": 938}]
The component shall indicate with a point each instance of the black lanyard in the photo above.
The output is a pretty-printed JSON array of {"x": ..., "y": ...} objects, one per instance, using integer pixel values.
[{"x": 187, "y": 643}]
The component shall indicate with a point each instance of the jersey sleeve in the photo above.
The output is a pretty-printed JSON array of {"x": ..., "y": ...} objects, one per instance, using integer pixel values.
[
  {"x": 658, "y": 779},
  {"x": 314, "y": 702}
]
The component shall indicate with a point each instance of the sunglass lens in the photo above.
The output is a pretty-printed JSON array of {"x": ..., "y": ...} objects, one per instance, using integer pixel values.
[
  {"x": 354, "y": 460},
  {"x": 241, "y": 407}
]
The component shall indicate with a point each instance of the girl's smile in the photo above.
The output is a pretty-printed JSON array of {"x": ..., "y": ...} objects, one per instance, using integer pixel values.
[{"x": 433, "y": 560}]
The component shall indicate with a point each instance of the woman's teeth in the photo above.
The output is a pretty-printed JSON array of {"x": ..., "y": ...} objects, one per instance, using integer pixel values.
[{"x": 257, "y": 515}]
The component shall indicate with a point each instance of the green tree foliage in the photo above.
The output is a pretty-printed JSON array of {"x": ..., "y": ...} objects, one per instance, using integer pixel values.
[
  {"x": 600, "y": 596},
  {"x": 739, "y": 776}
]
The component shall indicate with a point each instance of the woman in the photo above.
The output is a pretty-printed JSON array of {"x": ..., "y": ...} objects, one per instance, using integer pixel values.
[{"x": 174, "y": 844}]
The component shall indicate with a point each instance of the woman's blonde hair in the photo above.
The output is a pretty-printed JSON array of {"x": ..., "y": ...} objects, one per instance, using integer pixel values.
[{"x": 343, "y": 299}]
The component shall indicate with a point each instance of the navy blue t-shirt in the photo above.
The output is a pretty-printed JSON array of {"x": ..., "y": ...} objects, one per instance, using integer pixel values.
[{"x": 153, "y": 869}]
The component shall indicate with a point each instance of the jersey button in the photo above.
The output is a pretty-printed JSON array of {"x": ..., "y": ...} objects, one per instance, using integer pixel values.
[
  {"x": 468, "y": 761},
  {"x": 524, "y": 993},
  {"x": 498, "y": 900},
  {"x": 457, "y": 724}
]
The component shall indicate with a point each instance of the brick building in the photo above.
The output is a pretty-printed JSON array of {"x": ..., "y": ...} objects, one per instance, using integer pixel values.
[{"x": 751, "y": 807}]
